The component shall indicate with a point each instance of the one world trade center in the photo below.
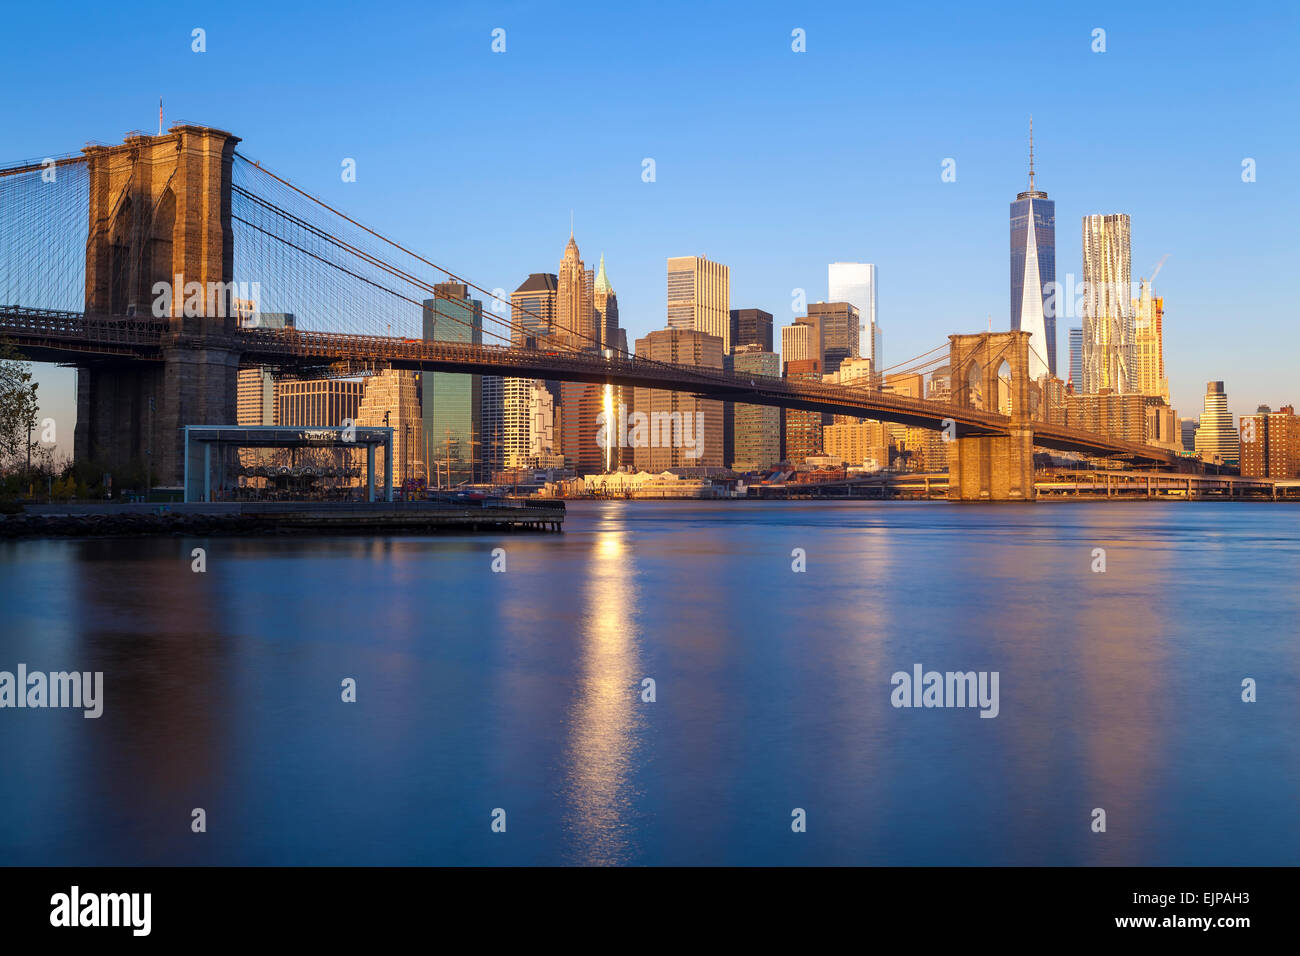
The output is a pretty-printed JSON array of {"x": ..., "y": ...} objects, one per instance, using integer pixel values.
[{"x": 1033, "y": 271}]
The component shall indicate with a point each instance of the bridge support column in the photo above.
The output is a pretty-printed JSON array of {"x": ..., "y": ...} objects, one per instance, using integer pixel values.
[
  {"x": 992, "y": 467},
  {"x": 115, "y": 430},
  {"x": 159, "y": 218},
  {"x": 200, "y": 386}
]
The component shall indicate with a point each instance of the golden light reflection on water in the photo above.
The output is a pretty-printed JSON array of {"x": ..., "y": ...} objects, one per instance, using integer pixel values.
[
  {"x": 1124, "y": 670},
  {"x": 604, "y": 719}
]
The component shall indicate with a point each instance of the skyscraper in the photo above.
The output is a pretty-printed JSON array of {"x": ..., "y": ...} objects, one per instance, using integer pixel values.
[
  {"x": 493, "y": 425},
  {"x": 1149, "y": 342},
  {"x": 1253, "y": 435},
  {"x": 390, "y": 400},
  {"x": 528, "y": 421},
  {"x": 839, "y": 322},
  {"x": 855, "y": 283},
  {"x": 857, "y": 370},
  {"x": 1121, "y": 417},
  {"x": 581, "y": 404},
  {"x": 1284, "y": 443},
  {"x": 933, "y": 449},
  {"x": 803, "y": 429},
  {"x": 1270, "y": 443},
  {"x": 255, "y": 401},
  {"x": 532, "y": 309},
  {"x": 593, "y": 399},
  {"x": 1108, "y": 358},
  {"x": 751, "y": 327},
  {"x": 692, "y": 420},
  {"x": 317, "y": 402},
  {"x": 801, "y": 342},
  {"x": 1216, "y": 437},
  {"x": 1033, "y": 271},
  {"x": 255, "y": 397},
  {"x": 699, "y": 297},
  {"x": 574, "y": 325},
  {"x": 1076, "y": 358},
  {"x": 756, "y": 428},
  {"x": 452, "y": 403},
  {"x": 604, "y": 300},
  {"x": 857, "y": 443},
  {"x": 589, "y": 289}
]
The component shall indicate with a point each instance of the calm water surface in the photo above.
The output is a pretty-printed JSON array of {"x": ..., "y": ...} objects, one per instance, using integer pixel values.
[{"x": 522, "y": 690}]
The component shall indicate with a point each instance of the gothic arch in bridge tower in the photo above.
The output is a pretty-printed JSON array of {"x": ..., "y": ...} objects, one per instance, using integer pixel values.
[
  {"x": 159, "y": 211},
  {"x": 161, "y": 244},
  {"x": 974, "y": 393},
  {"x": 119, "y": 258},
  {"x": 1004, "y": 388},
  {"x": 997, "y": 465}
]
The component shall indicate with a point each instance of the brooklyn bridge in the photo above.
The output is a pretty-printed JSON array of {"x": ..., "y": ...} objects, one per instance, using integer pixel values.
[{"x": 86, "y": 239}]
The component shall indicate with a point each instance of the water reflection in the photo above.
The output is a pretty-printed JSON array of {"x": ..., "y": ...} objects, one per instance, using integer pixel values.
[
  {"x": 1125, "y": 676},
  {"x": 154, "y": 627},
  {"x": 522, "y": 690},
  {"x": 605, "y": 719}
]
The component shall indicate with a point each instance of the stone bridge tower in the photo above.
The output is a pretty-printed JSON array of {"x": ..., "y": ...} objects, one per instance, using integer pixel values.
[
  {"x": 992, "y": 467},
  {"x": 159, "y": 213}
]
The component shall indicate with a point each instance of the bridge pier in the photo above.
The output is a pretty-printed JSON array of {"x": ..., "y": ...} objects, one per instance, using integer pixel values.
[
  {"x": 131, "y": 416},
  {"x": 991, "y": 467},
  {"x": 115, "y": 429}
]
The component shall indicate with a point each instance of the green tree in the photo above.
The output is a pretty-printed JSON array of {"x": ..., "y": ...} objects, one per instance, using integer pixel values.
[{"x": 18, "y": 407}]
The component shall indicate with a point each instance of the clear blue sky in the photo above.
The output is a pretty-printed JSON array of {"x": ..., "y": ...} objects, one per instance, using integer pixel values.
[{"x": 773, "y": 162}]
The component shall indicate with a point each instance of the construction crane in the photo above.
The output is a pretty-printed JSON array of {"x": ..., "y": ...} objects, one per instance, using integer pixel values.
[{"x": 1159, "y": 266}]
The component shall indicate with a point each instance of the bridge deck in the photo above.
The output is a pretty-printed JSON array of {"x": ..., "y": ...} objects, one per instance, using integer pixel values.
[{"x": 68, "y": 336}]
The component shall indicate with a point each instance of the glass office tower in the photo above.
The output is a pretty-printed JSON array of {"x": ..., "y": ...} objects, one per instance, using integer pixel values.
[
  {"x": 1076, "y": 358},
  {"x": 855, "y": 283},
  {"x": 1033, "y": 272},
  {"x": 452, "y": 402}
]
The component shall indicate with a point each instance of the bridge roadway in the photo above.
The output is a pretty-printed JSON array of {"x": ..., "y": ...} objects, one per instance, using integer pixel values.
[{"x": 70, "y": 337}]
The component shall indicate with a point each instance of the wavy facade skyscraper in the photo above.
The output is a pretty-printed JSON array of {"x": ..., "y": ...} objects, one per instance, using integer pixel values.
[{"x": 1109, "y": 357}]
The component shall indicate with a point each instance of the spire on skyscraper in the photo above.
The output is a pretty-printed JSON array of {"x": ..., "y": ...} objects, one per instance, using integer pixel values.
[
  {"x": 602, "y": 280},
  {"x": 1031, "y": 152}
]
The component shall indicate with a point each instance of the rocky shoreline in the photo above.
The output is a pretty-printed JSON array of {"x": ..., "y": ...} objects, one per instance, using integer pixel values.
[
  {"x": 174, "y": 523},
  {"x": 125, "y": 525}
]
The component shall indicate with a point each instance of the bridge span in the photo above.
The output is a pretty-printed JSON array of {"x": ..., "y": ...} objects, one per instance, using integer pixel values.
[
  {"x": 70, "y": 337},
  {"x": 86, "y": 249}
]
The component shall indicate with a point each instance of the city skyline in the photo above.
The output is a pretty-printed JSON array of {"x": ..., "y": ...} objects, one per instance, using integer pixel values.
[
  {"x": 877, "y": 202},
  {"x": 574, "y": 490}
]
